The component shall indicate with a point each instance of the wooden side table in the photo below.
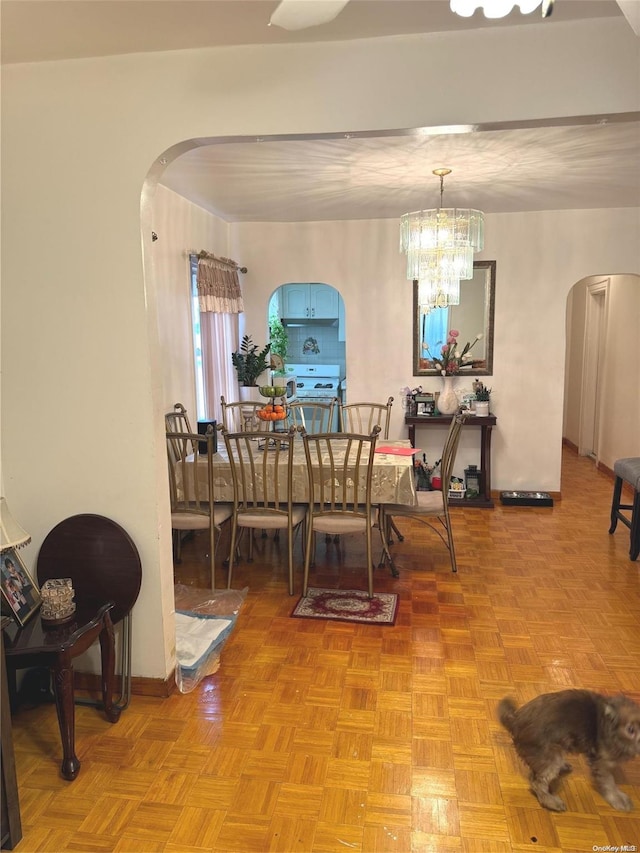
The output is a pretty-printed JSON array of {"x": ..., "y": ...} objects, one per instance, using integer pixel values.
[
  {"x": 55, "y": 647},
  {"x": 11, "y": 823},
  {"x": 484, "y": 500}
]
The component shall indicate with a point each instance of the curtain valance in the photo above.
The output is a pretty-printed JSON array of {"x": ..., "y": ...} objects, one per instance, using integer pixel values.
[{"x": 218, "y": 285}]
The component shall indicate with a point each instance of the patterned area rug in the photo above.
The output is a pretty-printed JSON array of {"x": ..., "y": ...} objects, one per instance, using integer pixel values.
[{"x": 348, "y": 605}]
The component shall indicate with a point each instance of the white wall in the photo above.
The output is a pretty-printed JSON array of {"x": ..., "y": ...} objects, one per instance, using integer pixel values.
[
  {"x": 362, "y": 261},
  {"x": 181, "y": 227},
  {"x": 80, "y": 349},
  {"x": 619, "y": 382}
]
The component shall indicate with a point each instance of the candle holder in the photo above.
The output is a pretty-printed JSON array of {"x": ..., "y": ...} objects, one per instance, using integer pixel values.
[{"x": 58, "y": 605}]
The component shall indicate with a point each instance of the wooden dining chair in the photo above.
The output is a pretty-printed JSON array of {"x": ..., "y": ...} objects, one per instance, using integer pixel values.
[
  {"x": 432, "y": 508},
  {"x": 313, "y": 417},
  {"x": 339, "y": 470},
  {"x": 262, "y": 474},
  {"x": 241, "y": 416},
  {"x": 362, "y": 417},
  {"x": 192, "y": 495}
]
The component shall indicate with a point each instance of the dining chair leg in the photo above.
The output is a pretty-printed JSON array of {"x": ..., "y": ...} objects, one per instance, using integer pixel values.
[
  {"x": 232, "y": 550},
  {"x": 307, "y": 557},
  {"x": 451, "y": 546},
  {"x": 212, "y": 555},
  {"x": 290, "y": 555},
  {"x": 385, "y": 557},
  {"x": 392, "y": 526},
  {"x": 369, "y": 562}
]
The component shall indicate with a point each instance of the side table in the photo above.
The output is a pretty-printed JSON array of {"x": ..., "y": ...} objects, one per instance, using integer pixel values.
[
  {"x": 485, "y": 423},
  {"x": 55, "y": 647},
  {"x": 11, "y": 832}
]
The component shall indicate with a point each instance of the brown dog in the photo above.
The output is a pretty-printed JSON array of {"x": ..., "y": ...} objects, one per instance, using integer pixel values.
[{"x": 605, "y": 730}]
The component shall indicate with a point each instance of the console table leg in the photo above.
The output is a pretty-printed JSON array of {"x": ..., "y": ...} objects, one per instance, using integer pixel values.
[
  {"x": 63, "y": 690},
  {"x": 485, "y": 460}
]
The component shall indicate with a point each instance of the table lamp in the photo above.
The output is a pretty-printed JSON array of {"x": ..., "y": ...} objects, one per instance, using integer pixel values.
[{"x": 11, "y": 534}]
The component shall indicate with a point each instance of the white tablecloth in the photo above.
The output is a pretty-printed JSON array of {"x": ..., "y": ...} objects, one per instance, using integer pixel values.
[{"x": 392, "y": 477}]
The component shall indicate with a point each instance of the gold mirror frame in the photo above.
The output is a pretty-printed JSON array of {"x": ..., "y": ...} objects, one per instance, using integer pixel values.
[{"x": 486, "y": 269}]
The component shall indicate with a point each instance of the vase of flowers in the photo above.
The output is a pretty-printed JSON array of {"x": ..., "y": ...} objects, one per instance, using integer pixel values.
[{"x": 451, "y": 360}]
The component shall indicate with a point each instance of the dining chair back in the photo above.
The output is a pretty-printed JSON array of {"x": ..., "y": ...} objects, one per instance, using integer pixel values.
[
  {"x": 432, "y": 508},
  {"x": 191, "y": 490},
  {"x": 339, "y": 470},
  {"x": 177, "y": 421},
  {"x": 262, "y": 473},
  {"x": 241, "y": 416},
  {"x": 313, "y": 417},
  {"x": 362, "y": 417}
]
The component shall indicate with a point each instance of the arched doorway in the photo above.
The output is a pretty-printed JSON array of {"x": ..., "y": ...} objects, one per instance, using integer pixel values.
[
  {"x": 602, "y": 368},
  {"x": 307, "y": 319}
]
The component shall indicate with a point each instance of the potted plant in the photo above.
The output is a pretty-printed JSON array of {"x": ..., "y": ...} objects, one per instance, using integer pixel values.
[
  {"x": 483, "y": 398},
  {"x": 279, "y": 343},
  {"x": 250, "y": 361}
]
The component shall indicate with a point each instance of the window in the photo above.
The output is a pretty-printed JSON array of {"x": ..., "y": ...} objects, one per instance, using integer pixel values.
[{"x": 197, "y": 340}]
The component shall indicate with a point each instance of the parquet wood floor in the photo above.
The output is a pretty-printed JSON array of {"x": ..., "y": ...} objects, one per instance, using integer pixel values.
[{"x": 326, "y": 737}]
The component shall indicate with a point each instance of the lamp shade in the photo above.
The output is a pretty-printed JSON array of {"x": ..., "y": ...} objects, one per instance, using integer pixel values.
[{"x": 11, "y": 534}]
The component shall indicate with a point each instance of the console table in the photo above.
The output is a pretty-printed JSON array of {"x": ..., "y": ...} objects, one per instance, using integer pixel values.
[{"x": 485, "y": 423}]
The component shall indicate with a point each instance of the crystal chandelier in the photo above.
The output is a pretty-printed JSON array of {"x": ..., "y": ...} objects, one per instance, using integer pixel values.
[{"x": 440, "y": 245}]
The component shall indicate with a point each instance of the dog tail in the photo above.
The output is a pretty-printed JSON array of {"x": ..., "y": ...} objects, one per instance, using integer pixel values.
[{"x": 507, "y": 712}]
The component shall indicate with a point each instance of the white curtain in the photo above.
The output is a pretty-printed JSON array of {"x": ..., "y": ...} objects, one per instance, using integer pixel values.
[
  {"x": 220, "y": 302},
  {"x": 220, "y": 337}
]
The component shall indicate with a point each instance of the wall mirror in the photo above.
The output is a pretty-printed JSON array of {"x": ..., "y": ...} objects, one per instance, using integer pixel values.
[{"x": 473, "y": 316}]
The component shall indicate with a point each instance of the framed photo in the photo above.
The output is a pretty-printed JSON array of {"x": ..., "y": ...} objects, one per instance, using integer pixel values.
[{"x": 20, "y": 594}]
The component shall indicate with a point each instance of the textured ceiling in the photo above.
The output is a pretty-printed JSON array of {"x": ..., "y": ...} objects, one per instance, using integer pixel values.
[{"x": 497, "y": 171}]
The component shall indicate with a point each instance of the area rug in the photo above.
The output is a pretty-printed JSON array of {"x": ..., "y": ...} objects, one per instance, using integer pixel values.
[{"x": 348, "y": 605}]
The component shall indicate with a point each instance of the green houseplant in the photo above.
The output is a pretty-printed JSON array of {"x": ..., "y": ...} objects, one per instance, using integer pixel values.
[
  {"x": 279, "y": 340},
  {"x": 250, "y": 361},
  {"x": 483, "y": 397}
]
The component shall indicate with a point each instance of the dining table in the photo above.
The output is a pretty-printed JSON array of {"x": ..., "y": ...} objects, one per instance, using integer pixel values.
[{"x": 392, "y": 479}]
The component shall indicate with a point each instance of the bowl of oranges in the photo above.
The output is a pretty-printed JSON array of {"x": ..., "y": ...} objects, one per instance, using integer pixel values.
[{"x": 272, "y": 413}]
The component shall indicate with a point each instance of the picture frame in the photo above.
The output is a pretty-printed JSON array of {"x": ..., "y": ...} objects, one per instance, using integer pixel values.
[{"x": 21, "y": 597}]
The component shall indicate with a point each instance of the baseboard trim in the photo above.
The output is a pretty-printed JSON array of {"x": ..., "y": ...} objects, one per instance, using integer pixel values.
[
  {"x": 570, "y": 445},
  {"x": 140, "y": 686}
]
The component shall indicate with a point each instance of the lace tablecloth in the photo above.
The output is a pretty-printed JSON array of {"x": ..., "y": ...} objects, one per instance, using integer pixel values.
[{"x": 392, "y": 476}]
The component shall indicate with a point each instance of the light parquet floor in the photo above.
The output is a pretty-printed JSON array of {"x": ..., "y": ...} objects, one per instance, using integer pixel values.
[{"x": 324, "y": 737}]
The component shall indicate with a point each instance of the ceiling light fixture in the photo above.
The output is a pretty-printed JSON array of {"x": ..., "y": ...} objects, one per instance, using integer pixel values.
[
  {"x": 439, "y": 245},
  {"x": 493, "y": 8}
]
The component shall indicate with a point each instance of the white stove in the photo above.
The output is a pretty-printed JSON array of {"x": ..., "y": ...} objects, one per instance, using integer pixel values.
[{"x": 315, "y": 383}]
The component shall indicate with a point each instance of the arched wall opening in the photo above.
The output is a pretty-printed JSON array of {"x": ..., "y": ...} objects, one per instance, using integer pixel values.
[{"x": 378, "y": 302}]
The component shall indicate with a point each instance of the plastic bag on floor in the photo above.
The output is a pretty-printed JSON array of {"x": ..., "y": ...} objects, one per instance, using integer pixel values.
[{"x": 204, "y": 620}]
